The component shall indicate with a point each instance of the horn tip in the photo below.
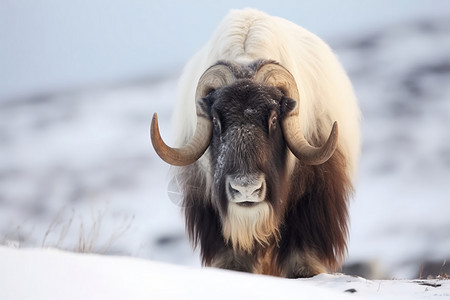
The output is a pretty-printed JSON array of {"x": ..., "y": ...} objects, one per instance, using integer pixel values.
[
  {"x": 335, "y": 128},
  {"x": 154, "y": 129},
  {"x": 331, "y": 144},
  {"x": 334, "y": 134},
  {"x": 154, "y": 120}
]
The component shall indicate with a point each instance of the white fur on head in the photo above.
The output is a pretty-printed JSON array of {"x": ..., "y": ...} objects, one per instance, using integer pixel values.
[
  {"x": 326, "y": 94},
  {"x": 243, "y": 226}
]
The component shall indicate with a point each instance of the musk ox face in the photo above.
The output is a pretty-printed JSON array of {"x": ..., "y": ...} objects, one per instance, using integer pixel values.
[{"x": 248, "y": 156}]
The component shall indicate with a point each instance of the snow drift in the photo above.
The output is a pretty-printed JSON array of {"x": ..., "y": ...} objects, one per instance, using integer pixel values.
[{"x": 53, "y": 274}]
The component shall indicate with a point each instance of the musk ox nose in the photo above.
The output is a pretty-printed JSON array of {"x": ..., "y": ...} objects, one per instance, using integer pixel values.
[{"x": 246, "y": 190}]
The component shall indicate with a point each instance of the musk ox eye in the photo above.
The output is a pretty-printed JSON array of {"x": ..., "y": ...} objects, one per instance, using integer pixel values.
[
  {"x": 273, "y": 121},
  {"x": 216, "y": 124}
]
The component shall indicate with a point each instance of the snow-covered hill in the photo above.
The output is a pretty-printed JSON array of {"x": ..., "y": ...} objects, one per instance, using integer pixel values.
[{"x": 400, "y": 215}]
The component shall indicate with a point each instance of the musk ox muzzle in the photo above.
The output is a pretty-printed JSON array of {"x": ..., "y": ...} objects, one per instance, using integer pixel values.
[{"x": 247, "y": 190}]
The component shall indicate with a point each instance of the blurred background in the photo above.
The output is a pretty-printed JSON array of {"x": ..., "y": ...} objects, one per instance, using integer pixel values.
[{"x": 80, "y": 80}]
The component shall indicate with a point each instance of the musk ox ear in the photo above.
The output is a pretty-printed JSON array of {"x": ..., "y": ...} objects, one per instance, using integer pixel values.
[
  {"x": 206, "y": 104},
  {"x": 287, "y": 105}
]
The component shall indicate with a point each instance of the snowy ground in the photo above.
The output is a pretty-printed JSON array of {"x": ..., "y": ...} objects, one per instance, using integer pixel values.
[
  {"x": 77, "y": 170},
  {"x": 78, "y": 276}
]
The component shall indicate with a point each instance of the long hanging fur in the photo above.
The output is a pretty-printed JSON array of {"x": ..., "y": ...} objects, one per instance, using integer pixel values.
[
  {"x": 316, "y": 222},
  {"x": 202, "y": 218}
]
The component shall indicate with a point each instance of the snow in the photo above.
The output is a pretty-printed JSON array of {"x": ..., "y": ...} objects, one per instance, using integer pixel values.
[
  {"x": 54, "y": 274},
  {"x": 75, "y": 276},
  {"x": 77, "y": 170}
]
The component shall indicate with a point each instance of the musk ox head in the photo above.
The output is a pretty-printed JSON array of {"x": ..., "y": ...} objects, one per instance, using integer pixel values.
[{"x": 248, "y": 118}]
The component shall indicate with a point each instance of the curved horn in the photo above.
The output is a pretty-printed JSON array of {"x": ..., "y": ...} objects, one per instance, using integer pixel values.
[
  {"x": 213, "y": 78},
  {"x": 275, "y": 75}
]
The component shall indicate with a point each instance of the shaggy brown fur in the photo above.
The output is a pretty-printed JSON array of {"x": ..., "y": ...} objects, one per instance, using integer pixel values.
[
  {"x": 313, "y": 232},
  {"x": 300, "y": 227}
]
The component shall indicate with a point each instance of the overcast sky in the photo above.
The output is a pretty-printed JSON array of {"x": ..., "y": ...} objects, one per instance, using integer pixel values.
[{"x": 52, "y": 45}]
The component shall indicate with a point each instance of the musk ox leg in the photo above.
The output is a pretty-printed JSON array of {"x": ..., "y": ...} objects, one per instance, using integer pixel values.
[
  {"x": 302, "y": 264},
  {"x": 234, "y": 260}
]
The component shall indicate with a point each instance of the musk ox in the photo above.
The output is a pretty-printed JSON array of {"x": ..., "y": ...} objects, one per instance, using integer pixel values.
[{"x": 264, "y": 173}]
